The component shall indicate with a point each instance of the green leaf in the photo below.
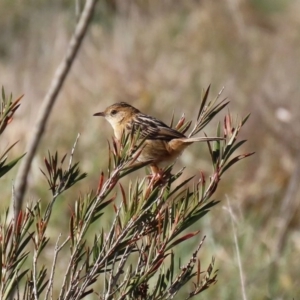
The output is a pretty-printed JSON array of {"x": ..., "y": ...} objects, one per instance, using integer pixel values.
[
  {"x": 235, "y": 160},
  {"x": 203, "y": 102},
  {"x": 9, "y": 166},
  {"x": 245, "y": 119},
  {"x": 7, "y": 150},
  {"x": 230, "y": 149},
  {"x": 24, "y": 243},
  {"x": 182, "y": 239}
]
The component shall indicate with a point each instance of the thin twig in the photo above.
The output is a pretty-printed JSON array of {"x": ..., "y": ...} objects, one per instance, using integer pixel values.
[
  {"x": 72, "y": 151},
  {"x": 13, "y": 199},
  {"x": 215, "y": 178},
  {"x": 49, "y": 100},
  {"x": 118, "y": 274},
  {"x": 242, "y": 277},
  {"x": 100, "y": 260},
  {"x": 111, "y": 234},
  {"x": 48, "y": 210},
  {"x": 180, "y": 280},
  {"x": 97, "y": 263},
  {"x": 50, "y": 283},
  {"x": 105, "y": 190},
  {"x": 34, "y": 275},
  {"x": 63, "y": 244},
  {"x": 121, "y": 265},
  {"x": 206, "y": 113},
  {"x": 111, "y": 275}
]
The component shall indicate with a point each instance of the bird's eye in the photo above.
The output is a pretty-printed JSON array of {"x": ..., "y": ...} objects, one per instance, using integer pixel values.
[{"x": 113, "y": 112}]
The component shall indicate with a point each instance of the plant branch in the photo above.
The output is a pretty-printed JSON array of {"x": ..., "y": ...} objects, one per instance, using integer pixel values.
[
  {"x": 242, "y": 277},
  {"x": 48, "y": 102},
  {"x": 34, "y": 275},
  {"x": 50, "y": 284}
]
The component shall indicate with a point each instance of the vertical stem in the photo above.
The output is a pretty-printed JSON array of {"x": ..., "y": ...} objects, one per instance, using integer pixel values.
[{"x": 48, "y": 102}]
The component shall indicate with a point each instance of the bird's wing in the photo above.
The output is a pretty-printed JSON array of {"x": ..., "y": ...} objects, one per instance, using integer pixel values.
[{"x": 154, "y": 129}]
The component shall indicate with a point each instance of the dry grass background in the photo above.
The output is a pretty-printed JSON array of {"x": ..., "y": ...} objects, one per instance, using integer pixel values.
[{"x": 158, "y": 55}]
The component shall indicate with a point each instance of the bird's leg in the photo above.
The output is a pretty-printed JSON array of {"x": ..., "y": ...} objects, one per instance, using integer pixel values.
[
  {"x": 156, "y": 172},
  {"x": 157, "y": 175}
]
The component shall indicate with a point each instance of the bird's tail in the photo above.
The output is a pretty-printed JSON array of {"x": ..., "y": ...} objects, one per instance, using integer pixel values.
[{"x": 201, "y": 139}]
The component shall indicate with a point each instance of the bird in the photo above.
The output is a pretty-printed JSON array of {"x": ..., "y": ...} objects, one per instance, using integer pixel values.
[{"x": 162, "y": 144}]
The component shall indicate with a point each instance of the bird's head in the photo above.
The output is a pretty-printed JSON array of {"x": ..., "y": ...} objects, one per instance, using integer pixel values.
[{"x": 118, "y": 113}]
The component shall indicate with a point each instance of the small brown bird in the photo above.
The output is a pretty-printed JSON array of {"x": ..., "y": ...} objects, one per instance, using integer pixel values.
[{"x": 162, "y": 144}]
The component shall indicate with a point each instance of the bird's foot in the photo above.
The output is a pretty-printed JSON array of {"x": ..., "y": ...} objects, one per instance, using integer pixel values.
[{"x": 158, "y": 176}]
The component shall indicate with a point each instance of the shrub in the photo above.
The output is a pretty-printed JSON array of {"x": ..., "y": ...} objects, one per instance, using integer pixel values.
[{"x": 135, "y": 258}]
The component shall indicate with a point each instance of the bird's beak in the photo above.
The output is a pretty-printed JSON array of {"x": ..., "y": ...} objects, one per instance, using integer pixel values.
[{"x": 100, "y": 114}]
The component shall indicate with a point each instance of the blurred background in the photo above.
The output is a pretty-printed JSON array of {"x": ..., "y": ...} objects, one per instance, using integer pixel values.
[{"x": 158, "y": 56}]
